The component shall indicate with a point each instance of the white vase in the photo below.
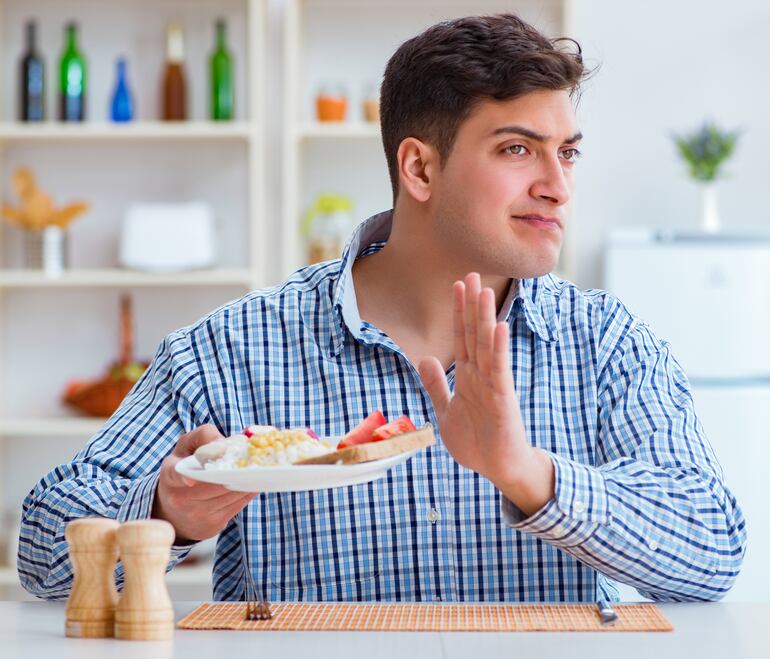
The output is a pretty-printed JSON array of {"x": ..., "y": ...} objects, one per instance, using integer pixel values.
[
  {"x": 709, "y": 212},
  {"x": 46, "y": 250}
]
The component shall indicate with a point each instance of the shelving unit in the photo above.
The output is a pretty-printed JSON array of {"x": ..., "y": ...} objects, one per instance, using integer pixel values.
[
  {"x": 15, "y": 133},
  {"x": 112, "y": 165},
  {"x": 124, "y": 278},
  {"x": 58, "y": 427}
]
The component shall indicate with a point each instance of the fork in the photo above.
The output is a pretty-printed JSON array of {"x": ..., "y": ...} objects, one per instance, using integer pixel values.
[{"x": 256, "y": 609}]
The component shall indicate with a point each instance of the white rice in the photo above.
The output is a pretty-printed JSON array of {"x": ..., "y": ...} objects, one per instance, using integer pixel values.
[{"x": 237, "y": 452}]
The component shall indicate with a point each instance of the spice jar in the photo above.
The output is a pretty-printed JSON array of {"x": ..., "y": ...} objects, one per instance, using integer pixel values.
[
  {"x": 371, "y": 104},
  {"x": 331, "y": 103},
  {"x": 326, "y": 226}
]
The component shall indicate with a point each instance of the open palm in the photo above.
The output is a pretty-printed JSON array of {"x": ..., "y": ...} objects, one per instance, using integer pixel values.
[{"x": 481, "y": 423}]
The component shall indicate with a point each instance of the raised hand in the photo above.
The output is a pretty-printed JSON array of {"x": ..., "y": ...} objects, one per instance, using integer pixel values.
[{"x": 481, "y": 423}]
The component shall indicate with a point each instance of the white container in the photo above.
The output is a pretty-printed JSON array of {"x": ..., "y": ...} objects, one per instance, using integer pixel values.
[
  {"x": 707, "y": 294},
  {"x": 168, "y": 237}
]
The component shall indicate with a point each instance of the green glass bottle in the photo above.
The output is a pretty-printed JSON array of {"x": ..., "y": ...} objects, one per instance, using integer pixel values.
[
  {"x": 72, "y": 79},
  {"x": 222, "y": 94}
]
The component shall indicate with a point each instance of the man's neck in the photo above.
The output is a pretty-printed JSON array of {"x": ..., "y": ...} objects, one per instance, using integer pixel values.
[{"x": 410, "y": 282}]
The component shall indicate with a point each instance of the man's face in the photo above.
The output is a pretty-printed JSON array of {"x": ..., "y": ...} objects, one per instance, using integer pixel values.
[{"x": 510, "y": 160}]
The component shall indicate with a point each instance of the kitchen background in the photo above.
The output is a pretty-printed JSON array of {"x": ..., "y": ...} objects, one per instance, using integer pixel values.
[{"x": 276, "y": 186}]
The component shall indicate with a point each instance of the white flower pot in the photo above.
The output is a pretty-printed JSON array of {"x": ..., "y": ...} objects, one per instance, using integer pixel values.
[
  {"x": 46, "y": 250},
  {"x": 709, "y": 211}
]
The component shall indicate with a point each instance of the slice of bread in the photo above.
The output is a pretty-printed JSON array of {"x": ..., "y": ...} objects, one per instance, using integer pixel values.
[{"x": 386, "y": 448}]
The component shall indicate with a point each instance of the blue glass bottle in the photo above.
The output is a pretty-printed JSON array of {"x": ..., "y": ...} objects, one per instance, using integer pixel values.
[{"x": 122, "y": 101}]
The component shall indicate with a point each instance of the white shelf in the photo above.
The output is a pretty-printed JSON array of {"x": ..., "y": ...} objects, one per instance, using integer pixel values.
[
  {"x": 197, "y": 575},
  {"x": 42, "y": 427},
  {"x": 11, "y": 132},
  {"x": 337, "y": 130},
  {"x": 115, "y": 277}
]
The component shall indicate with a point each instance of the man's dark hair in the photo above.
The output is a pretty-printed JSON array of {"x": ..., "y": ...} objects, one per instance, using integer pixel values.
[{"x": 434, "y": 80}]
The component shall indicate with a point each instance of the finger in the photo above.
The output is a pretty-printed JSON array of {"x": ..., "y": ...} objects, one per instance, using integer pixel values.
[
  {"x": 472, "y": 288},
  {"x": 485, "y": 337},
  {"x": 230, "y": 500},
  {"x": 461, "y": 352},
  {"x": 172, "y": 478},
  {"x": 207, "y": 492},
  {"x": 501, "y": 364},
  {"x": 435, "y": 382},
  {"x": 236, "y": 505},
  {"x": 194, "y": 489},
  {"x": 194, "y": 439}
]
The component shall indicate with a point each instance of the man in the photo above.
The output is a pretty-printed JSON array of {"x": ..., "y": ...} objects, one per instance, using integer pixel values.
[{"x": 569, "y": 452}]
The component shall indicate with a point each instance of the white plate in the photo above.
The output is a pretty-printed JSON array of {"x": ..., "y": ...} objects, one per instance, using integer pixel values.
[{"x": 294, "y": 478}]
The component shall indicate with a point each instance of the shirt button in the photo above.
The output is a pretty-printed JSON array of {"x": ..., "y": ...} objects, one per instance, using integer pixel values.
[
  {"x": 433, "y": 516},
  {"x": 560, "y": 530},
  {"x": 579, "y": 506},
  {"x": 653, "y": 545}
]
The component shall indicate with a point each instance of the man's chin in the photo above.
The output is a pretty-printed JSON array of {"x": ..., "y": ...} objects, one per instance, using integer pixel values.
[{"x": 530, "y": 268}]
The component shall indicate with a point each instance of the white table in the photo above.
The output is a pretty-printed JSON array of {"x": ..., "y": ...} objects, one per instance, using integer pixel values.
[{"x": 725, "y": 630}]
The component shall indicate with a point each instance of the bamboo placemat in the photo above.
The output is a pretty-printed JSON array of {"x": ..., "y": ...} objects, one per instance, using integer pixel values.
[{"x": 404, "y": 617}]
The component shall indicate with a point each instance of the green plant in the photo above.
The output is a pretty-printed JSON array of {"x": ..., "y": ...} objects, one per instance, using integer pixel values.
[{"x": 706, "y": 150}]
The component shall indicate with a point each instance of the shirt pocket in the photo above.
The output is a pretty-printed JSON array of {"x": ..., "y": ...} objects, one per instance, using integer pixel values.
[{"x": 321, "y": 545}]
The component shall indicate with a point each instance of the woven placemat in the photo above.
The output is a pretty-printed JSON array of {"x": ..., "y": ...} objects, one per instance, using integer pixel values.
[{"x": 402, "y": 617}]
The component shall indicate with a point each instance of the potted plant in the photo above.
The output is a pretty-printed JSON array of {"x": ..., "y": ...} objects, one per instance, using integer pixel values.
[
  {"x": 45, "y": 226},
  {"x": 705, "y": 151}
]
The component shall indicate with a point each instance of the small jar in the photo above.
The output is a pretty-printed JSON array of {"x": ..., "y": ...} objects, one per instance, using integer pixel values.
[
  {"x": 326, "y": 226},
  {"x": 331, "y": 103},
  {"x": 371, "y": 104}
]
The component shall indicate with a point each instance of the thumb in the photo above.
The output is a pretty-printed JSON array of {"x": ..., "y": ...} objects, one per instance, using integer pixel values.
[
  {"x": 194, "y": 439},
  {"x": 433, "y": 377}
]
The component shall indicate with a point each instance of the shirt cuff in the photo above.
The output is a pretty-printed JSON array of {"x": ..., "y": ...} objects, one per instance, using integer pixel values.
[
  {"x": 138, "y": 505},
  {"x": 579, "y": 506}
]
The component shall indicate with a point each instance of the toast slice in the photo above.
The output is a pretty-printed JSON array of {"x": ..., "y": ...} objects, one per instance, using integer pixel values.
[{"x": 420, "y": 438}]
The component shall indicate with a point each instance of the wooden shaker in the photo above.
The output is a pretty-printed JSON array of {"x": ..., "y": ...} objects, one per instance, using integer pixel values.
[
  {"x": 93, "y": 550},
  {"x": 144, "y": 611}
]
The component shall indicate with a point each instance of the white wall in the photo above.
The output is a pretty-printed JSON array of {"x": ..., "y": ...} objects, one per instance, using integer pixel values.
[{"x": 666, "y": 65}]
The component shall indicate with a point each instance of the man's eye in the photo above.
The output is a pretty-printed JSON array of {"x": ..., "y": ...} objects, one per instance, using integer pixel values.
[
  {"x": 509, "y": 150},
  {"x": 571, "y": 155}
]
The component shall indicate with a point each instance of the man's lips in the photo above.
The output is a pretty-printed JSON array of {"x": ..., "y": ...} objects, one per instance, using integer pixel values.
[{"x": 545, "y": 221}]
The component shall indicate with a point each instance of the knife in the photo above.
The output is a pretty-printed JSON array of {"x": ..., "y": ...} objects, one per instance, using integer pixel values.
[{"x": 606, "y": 612}]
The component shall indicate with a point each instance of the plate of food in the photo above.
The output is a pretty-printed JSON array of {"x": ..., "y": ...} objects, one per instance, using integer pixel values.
[{"x": 268, "y": 459}]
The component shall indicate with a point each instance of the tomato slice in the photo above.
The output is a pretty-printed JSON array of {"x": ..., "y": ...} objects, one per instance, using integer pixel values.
[
  {"x": 362, "y": 433},
  {"x": 398, "y": 427}
]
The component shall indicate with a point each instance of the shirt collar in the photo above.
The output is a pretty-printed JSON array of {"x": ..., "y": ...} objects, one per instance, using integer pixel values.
[{"x": 369, "y": 236}]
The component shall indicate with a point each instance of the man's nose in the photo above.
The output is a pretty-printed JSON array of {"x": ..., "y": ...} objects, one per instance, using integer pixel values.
[{"x": 552, "y": 183}]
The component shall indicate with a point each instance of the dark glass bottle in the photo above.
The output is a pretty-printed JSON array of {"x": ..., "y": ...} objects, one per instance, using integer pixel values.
[
  {"x": 72, "y": 79},
  {"x": 32, "y": 79},
  {"x": 174, "y": 85},
  {"x": 222, "y": 96}
]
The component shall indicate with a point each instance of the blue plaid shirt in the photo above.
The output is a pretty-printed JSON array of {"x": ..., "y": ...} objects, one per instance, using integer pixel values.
[{"x": 639, "y": 494}]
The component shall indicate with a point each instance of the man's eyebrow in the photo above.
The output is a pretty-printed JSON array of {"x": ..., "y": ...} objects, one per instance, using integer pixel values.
[{"x": 526, "y": 132}]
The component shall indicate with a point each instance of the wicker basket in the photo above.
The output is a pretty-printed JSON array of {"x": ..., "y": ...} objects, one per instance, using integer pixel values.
[{"x": 102, "y": 397}]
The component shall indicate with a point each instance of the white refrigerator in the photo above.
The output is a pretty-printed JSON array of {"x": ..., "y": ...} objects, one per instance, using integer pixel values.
[{"x": 708, "y": 295}]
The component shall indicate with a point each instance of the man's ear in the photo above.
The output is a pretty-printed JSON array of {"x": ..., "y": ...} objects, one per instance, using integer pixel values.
[{"x": 417, "y": 168}]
